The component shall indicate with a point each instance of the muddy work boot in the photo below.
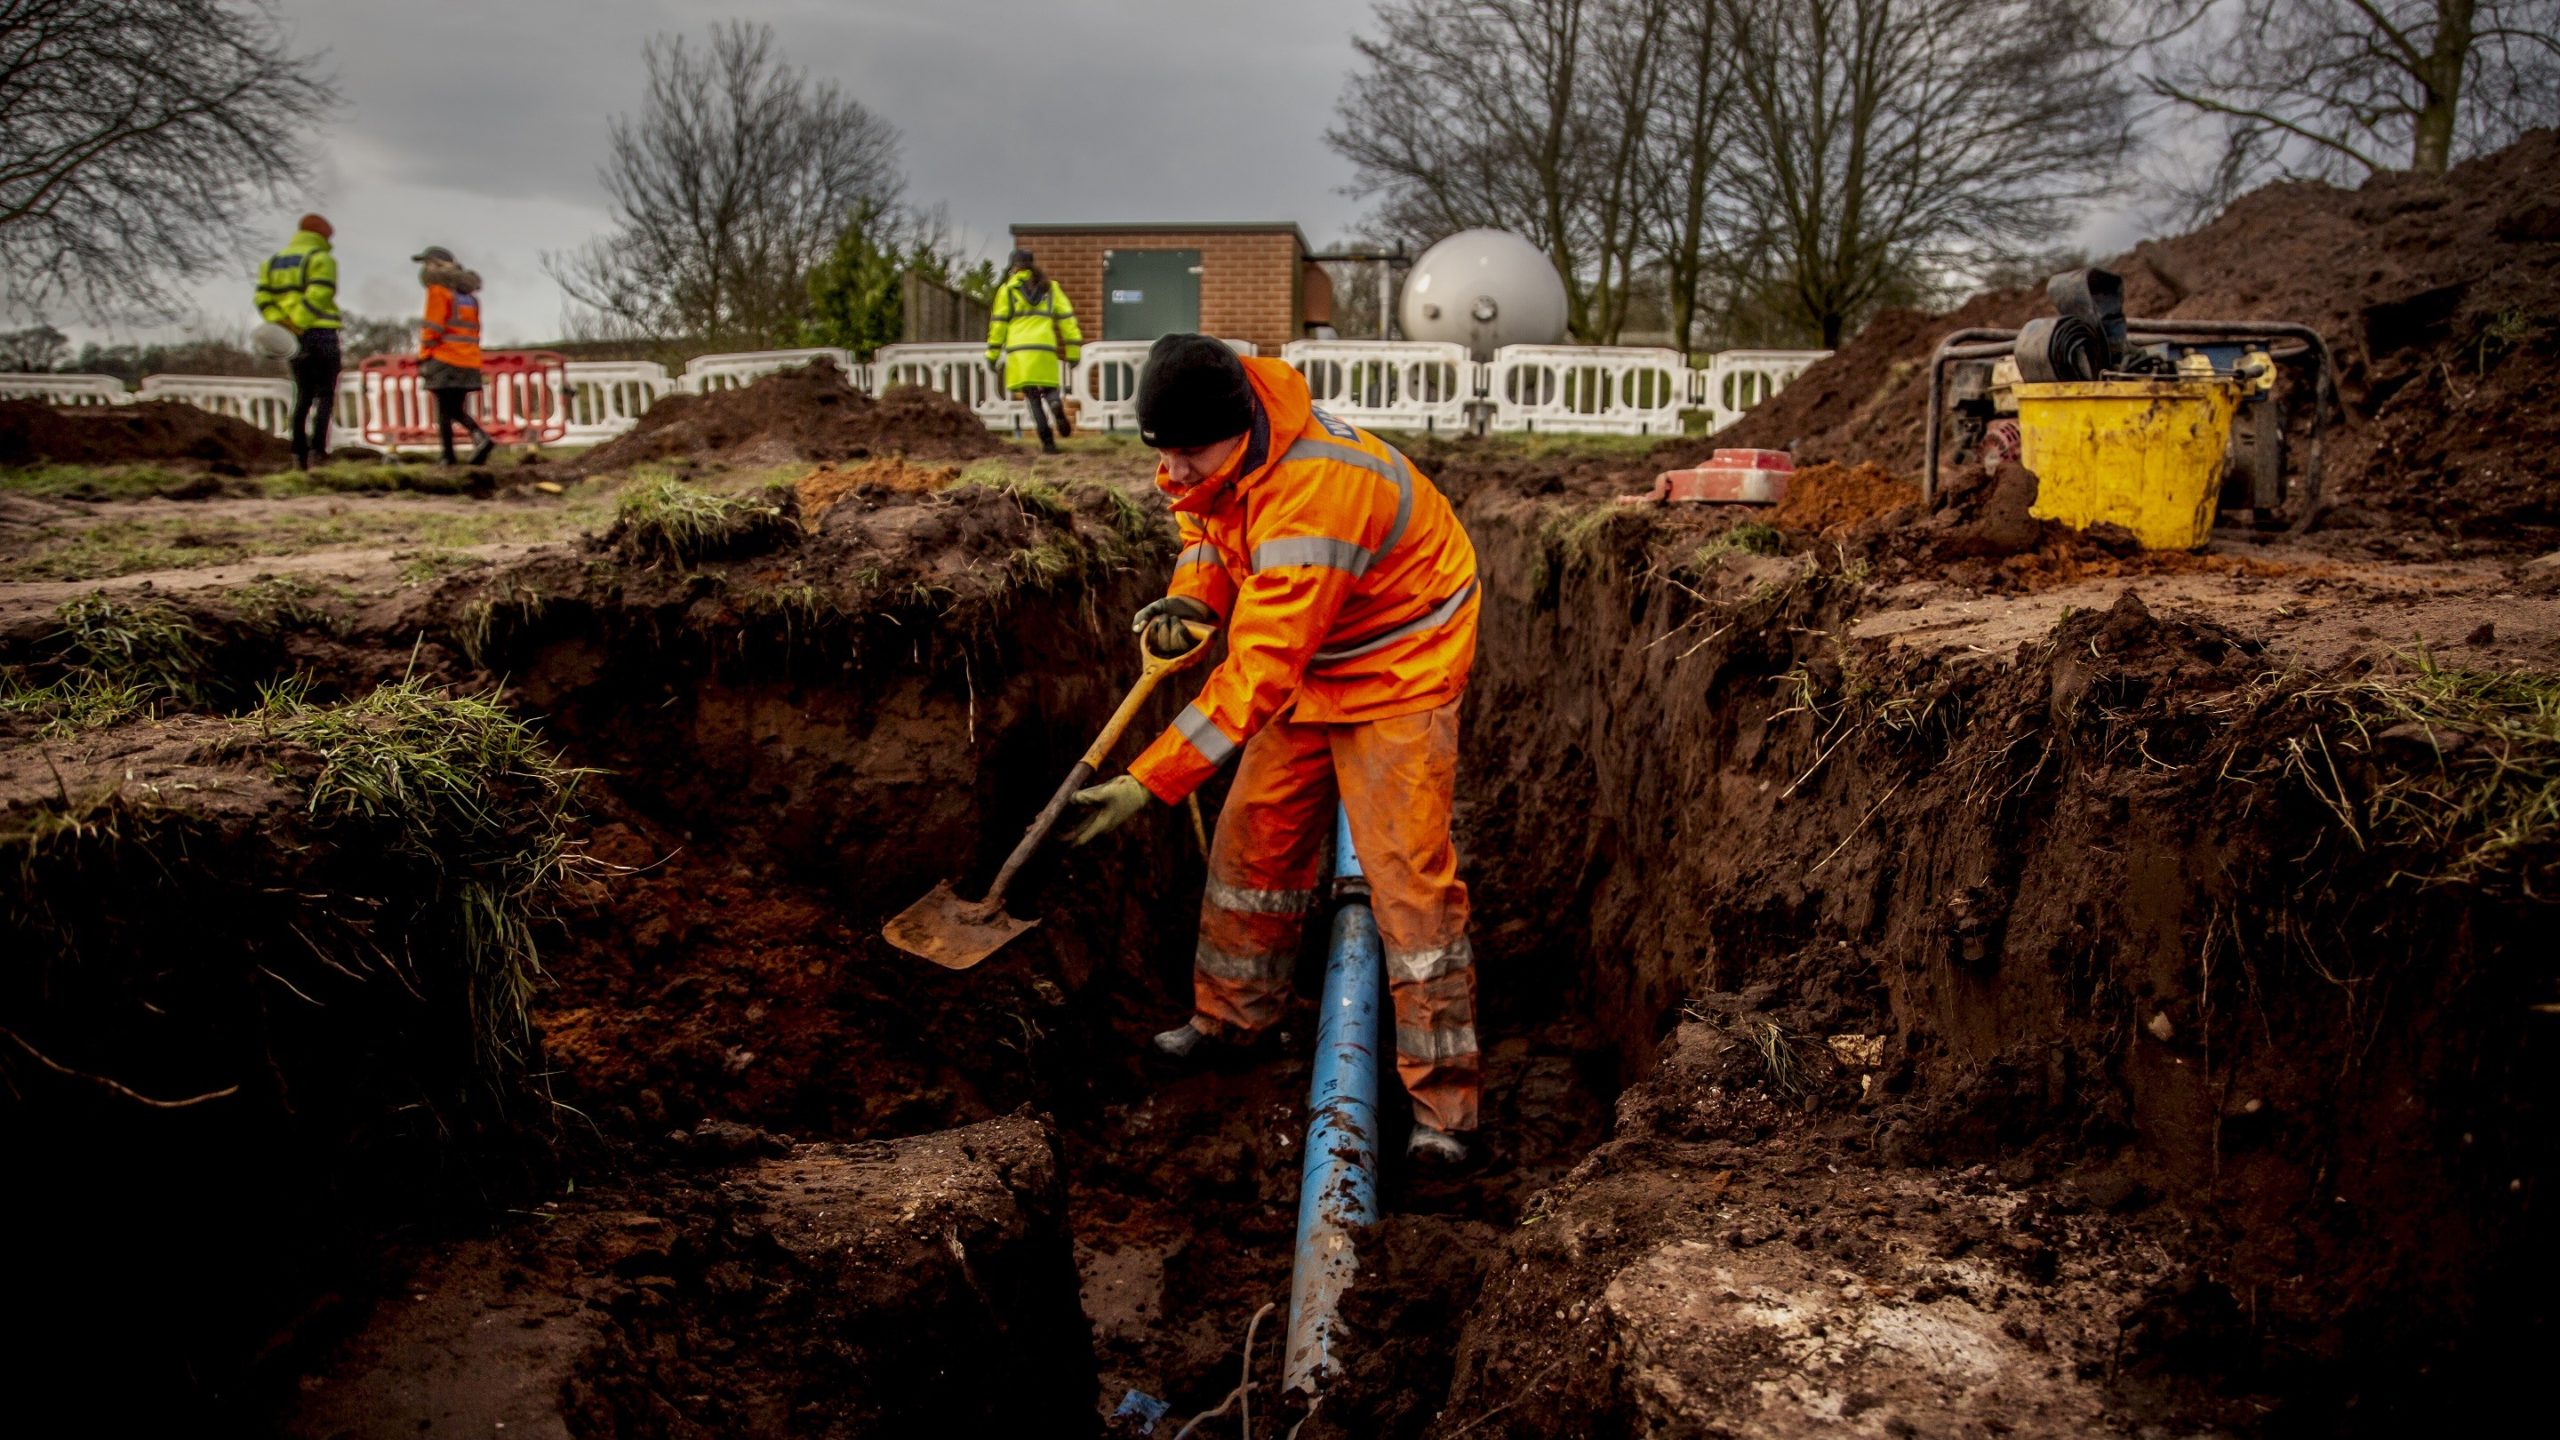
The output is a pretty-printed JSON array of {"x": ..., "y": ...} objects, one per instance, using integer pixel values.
[
  {"x": 1182, "y": 1041},
  {"x": 1437, "y": 1148},
  {"x": 480, "y": 456}
]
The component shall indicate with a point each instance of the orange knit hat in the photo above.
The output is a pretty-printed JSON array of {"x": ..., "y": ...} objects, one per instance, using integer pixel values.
[{"x": 317, "y": 225}]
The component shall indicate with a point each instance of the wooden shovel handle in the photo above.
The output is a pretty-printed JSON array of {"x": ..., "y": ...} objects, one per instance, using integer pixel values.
[{"x": 1152, "y": 668}]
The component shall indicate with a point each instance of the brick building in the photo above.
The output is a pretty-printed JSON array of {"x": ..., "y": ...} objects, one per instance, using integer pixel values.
[{"x": 1239, "y": 281}]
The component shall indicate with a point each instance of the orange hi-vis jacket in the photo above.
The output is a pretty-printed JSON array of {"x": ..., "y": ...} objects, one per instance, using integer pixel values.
[
  {"x": 452, "y": 331},
  {"x": 1347, "y": 584}
]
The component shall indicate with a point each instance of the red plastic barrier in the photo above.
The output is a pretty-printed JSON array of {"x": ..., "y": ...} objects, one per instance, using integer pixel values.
[{"x": 523, "y": 398}]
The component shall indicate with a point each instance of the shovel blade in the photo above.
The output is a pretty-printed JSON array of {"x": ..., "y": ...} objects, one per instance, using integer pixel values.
[{"x": 949, "y": 931}]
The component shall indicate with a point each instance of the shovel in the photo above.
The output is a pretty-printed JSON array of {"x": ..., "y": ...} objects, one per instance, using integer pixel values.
[{"x": 956, "y": 933}]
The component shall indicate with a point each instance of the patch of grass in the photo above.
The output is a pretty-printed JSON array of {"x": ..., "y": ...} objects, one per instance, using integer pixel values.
[
  {"x": 2466, "y": 772},
  {"x": 1751, "y": 537},
  {"x": 1036, "y": 496},
  {"x": 1039, "y": 566},
  {"x": 430, "y": 565},
  {"x": 109, "y": 548},
  {"x": 1129, "y": 519},
  {"x": 146, "y": 644},
  {"x": 798, "y": 609},
  {"x": 291, "y": 602},
  {"x": 667, "y": 520},
  {"x": 484, "y": 620},
  {"x": 111, "y": 659},
  {"x": 459, "y": 789},
  {"x": 92, "y": 482}
]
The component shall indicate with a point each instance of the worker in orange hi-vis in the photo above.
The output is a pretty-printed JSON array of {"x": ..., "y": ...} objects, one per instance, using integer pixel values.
[
  {"x": 449, "y": 347},
  {"x": 1348, "y": 590}
]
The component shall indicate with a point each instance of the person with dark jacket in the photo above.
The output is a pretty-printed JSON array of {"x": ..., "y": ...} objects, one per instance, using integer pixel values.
[
  {"x": 449, "y": 347},
  {"x": 1032, "y": 336},
  {"x": 298, "y": 289}
]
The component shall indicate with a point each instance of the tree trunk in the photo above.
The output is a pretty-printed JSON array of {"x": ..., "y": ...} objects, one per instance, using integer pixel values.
[{"x": 2431, "y": 137}]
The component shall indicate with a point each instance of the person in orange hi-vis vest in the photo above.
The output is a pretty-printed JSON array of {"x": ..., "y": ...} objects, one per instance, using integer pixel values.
[
  {"x": 449, "y": 347},
  {"x": 1348, "y": 591}
]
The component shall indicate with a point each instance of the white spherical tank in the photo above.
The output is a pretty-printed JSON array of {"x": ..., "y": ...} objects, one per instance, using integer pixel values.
[{"x": 1483, "y": 289}]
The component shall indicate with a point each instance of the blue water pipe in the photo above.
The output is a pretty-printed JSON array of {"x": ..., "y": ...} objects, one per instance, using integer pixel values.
[{"x": 1338, "y": 1182}]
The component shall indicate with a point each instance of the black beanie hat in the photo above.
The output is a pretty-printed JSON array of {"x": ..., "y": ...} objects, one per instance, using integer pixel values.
[
  {"x": 1018, "y": 260},
  {"x": 1192, "y": 391}
]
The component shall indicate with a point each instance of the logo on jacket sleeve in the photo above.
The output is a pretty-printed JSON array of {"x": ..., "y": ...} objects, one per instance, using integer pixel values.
[{"x": 1335, "y": 428}]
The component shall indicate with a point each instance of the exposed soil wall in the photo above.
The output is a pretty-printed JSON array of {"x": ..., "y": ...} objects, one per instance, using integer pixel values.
[
  {"x": 241, "y": 1030},
  {"x": 2108, "y": 926}
]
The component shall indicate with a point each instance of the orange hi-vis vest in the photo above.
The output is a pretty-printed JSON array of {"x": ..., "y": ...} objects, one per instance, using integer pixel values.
[
  {"x": 452, "y": 331},
  {"x": 1347, "y": 584}
]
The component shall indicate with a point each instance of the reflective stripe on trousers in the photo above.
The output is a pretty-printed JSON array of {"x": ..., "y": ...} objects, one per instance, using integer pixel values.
[{"x": 1397, "y": 778}]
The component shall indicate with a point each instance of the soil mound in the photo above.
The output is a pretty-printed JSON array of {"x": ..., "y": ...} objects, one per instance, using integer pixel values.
[
  {"x": 154, "y": 430},
  {"x": 803, "y": 414},
  {"x": 1827, "y": 497},
  {"x": 2440, "y": 296}
]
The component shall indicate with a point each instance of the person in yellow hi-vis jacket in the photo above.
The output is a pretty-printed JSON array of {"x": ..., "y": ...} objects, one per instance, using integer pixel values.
[
  {"x": 1031, "y": 337},
  {"x": 298, "y": 289}
]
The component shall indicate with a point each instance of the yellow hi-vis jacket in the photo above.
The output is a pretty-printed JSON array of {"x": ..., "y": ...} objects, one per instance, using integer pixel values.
[
  {"x": 1031, "y": 339},
  {"x": 1347, "y": 584},
  {"x": 298, "y": 286}
]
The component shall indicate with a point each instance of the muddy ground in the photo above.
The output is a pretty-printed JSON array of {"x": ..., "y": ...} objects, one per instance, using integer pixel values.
[{"x": 1944, "y": 975}]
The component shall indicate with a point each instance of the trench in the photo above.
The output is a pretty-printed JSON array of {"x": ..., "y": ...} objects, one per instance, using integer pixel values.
[
  {"x": 1673, "y": 832},
  {"x": 772, "y": 815}
]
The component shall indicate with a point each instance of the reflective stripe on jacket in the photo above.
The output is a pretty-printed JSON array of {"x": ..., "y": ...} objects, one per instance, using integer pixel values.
[
  {"x": 298, "y": 286},
  {"x": 1347, "y": 584},
  {"x": 452, "y": 331},
  {"x": 1032, "y": 339}
]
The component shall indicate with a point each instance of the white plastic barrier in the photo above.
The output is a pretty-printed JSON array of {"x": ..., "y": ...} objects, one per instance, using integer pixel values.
[
  {"x": 1736, "y": 380},
  {"x": 1395, "y": 385},
  {"x": 728, "y": 372},
  {"x": 960, "y": 371},
  {"x": 267, "y": 404},
  {"x": 65, "y": 389},
  {"x": 1588, "y": 389},
  {"x": 1105, "y": 384},
  {"x": 1388, "y": 384},
  {"x": 607, "y": 397}
]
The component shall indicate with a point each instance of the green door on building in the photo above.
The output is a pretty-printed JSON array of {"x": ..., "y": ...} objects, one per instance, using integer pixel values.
[{"x": 1147, "y": 293}]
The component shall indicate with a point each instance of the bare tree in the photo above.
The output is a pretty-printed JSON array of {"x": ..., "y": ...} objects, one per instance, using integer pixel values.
[
  {"x": 728, "y": 187},
  {"x": 2341, "y": 89},
  {"x": 139, "y": 135},
  {"x": 1462, "y": 116},
  {"x": 1888, "y": 138},
  {"x": 1693, "y": 230},
  {"x": 1526, "y": 115}
]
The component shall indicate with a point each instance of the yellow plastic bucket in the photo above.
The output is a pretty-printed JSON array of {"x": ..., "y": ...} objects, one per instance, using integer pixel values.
[{"x": 2143, "y": 454}]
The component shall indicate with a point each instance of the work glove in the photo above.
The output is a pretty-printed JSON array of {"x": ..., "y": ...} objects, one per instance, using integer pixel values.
[
  {"x": 996, "y": 363},
  {"x": 1161, "y": 621},
  {"x": 1112, "y": 803}
]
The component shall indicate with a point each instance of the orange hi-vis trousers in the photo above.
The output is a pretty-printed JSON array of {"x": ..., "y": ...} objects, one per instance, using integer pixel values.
[{"x": 1396, "y": 778}]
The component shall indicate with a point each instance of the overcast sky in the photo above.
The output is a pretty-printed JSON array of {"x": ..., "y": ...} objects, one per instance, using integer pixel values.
[{"x": 478, "y": 124}]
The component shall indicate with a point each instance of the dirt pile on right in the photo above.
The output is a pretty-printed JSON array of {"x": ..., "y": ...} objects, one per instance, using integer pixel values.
[
  {"x": 2440, "y": 296},
  {"x": 154, "y": 430},
  {"x": 806, "y": 414}
]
